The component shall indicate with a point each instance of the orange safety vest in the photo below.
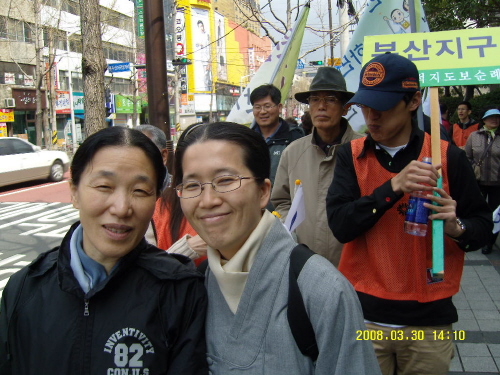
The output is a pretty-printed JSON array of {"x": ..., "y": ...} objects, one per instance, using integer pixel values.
[
  {"x": 388, "y": 263},
  {"x": 460, "y": 135}
]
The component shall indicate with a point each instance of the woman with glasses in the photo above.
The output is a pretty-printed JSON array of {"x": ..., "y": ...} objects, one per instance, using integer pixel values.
[
  {"x": 105, "y": 301},
  {"x": 221, "y": 176}
]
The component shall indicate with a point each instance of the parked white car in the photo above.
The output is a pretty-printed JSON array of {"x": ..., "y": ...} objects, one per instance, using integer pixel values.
[{"x": 22, "y": 161}]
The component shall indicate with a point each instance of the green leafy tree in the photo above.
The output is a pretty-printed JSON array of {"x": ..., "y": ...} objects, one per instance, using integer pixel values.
[{"x": 445, "y": 15}]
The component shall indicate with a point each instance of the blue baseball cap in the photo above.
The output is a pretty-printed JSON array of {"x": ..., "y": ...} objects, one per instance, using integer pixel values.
[
  {"x": 491, "y": 112},
  {"x": 384, "y": 81}
]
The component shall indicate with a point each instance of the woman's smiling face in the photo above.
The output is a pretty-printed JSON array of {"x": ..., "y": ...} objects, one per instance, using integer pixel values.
[
  {"x": 116, "y": 197},
  {"x": 223, "y": 220}
]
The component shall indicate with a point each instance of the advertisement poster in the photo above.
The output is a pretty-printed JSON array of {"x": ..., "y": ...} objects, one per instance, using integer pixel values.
[
  {"x": 220, "y": 47},
  {"x": 200, "y": 35}
]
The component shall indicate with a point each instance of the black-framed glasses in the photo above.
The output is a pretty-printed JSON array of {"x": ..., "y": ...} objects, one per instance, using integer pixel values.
[
  {"x": 266, "y": 107},
  {"x": 328, "y": 100},
  {"x": 221, "y": 184}
]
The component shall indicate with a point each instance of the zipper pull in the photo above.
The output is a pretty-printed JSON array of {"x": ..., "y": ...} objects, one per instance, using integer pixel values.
[{"x": 86, "y": 310}]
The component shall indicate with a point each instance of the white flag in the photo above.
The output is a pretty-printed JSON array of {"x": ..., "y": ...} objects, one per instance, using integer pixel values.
[
  {"x": 380, "y": 17},
  {"x": 278, "y": 69},
  {"x": 496, "y": 220},
  {"x": 297, "y": 213}
]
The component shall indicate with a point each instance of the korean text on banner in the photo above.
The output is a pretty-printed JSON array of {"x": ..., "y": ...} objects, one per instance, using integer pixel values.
[{"x": 445, "y": 58}]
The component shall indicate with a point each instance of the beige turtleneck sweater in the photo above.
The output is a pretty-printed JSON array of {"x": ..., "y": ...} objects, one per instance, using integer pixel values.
[{"x": 232, "y": 274}]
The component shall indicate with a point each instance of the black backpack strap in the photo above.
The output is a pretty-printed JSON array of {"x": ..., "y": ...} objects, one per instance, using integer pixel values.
[
  {"x": 202, "y": 267},
  {"x": 300, "y": 325}
]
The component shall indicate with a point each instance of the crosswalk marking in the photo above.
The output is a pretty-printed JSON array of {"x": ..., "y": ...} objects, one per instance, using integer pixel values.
[
  {"x": 30, "y": 220},
  {"x": 14, "y": 264},
  {"x": 11, "y": 259}
]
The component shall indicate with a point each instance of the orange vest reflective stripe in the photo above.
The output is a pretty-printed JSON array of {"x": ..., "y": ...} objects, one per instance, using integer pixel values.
[
  {"x": 386, "y": 262},
  {"x": 460, "y": 135}
]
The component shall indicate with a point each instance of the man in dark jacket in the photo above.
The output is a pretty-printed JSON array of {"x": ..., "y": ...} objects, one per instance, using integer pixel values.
[{"x": 266, "y": 103}]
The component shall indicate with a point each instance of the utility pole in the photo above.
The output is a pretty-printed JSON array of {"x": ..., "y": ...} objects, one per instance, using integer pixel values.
[
  {"x": 156, "y": 70},
  {"x": 330, "y": 23}
]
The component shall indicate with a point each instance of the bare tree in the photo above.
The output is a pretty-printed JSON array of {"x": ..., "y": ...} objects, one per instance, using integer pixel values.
[
  {"x": 273, "y": 25},
  {"x": 93, "y": 66}
]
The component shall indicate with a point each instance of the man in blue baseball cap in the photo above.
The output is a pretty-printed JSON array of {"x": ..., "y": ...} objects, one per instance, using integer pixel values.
[{"x": 408, "y": 311}]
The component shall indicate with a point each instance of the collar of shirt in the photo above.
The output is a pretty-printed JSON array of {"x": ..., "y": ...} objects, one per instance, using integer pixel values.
[
  {"x": 403, "y": 157},
  {"x": 257, "y": 129},
  {"x": 465, "y": 125},
  {"x": 87, "y": 271},
  {"x": 326, "y": 146}
]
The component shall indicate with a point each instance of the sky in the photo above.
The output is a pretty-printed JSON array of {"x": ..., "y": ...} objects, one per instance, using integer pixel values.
[{"x": 318, "y": 19}]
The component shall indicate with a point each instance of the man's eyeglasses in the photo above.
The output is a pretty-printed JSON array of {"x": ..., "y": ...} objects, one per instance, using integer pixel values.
[
  {"x": 328, "y": 100},
  {"x": 267, "y": 107},
  {"x": 221, "y": 184}
]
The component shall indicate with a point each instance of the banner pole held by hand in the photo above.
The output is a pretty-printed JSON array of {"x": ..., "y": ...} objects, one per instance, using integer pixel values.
[{"x": 437, "y": 225}]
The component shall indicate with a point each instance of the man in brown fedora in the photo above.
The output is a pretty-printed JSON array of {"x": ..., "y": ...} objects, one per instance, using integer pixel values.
[{"x": 311, "y": 159}]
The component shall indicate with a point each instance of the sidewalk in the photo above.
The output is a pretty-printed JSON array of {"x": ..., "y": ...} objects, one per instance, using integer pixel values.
[{"x": 478, "y": 304}]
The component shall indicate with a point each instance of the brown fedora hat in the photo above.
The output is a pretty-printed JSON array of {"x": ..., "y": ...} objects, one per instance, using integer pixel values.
[{"x": 327, "y": 78}]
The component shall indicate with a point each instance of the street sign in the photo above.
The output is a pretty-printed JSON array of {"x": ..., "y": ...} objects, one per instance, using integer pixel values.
[
  {"x": 300, "y": 64},
  {"x": 119, "y": 67}
]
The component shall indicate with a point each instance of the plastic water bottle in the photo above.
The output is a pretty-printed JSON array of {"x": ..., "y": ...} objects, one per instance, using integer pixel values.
[{"x": 416, "y": 214}]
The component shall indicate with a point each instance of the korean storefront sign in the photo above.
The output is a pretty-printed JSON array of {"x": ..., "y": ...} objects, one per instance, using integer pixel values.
[{"x": 6, "y": 115}]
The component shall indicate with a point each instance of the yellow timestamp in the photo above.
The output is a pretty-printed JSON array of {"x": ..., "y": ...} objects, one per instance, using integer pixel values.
[
  {"x": 395, "y": 335},
  {"x": 413, "y": 335},
  {"x": 458, "y": 335}
]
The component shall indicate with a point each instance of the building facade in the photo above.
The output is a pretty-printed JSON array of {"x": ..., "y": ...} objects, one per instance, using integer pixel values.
[
  {"x": 58, "y": 23},
  {"x": 224, "y": 54}
]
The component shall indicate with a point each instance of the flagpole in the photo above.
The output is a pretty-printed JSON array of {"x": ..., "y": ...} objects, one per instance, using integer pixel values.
[{"x": 413, "y": 17}]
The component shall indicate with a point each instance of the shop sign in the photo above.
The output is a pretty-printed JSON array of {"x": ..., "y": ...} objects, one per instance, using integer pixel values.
[
  {"x": 78, "y": 102},
  {"x": 62, "y": 102},
  {"x": 6, "y": 115},
  {"x": 26, "y": 99},
  {"x": 125, "y": 104},
  {"x": 10, "y": 78}
]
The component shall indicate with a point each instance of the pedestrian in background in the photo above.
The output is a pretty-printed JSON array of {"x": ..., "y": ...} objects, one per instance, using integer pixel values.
[
  {"x": 444, "y": 117},
  {"x": 106, "y": 300},
  {"x": 172, "y": 232},
  {"x": 306, "y": 123},
  {"x": 160, "y": 140},
  {"x": 483, "y": 150},
  {"x": 311, "y": 160},
  {"x": 465, "y": 126},
  {"x": 222, "y": 179},
  {"x": 366, "y": 207},
  {"x": 278, "y": 134}
]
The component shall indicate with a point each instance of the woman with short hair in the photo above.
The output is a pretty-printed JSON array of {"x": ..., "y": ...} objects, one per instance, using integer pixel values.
[
  {"x": 106, "y": 301},
  {"x": 221, "y": 176}
]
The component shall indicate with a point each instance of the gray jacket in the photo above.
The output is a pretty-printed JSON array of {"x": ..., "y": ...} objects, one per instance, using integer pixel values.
[
  {"x": 474, "y": 148},
  {"x": 257, "y": 339}
]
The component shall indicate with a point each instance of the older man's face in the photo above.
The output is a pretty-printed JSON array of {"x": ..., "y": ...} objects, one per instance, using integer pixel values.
[{"x": 325, "y": 111}]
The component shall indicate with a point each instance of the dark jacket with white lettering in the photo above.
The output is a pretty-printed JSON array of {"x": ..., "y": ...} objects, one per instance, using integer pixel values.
[{"x": 146, "y": 319}]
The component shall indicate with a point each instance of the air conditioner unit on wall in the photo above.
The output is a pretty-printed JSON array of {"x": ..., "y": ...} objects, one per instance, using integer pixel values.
[{"x": 10, "y": 102}]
